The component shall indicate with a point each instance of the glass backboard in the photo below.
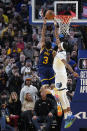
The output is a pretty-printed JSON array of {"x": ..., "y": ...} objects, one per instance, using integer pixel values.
[{"x": 77, "y": 8}]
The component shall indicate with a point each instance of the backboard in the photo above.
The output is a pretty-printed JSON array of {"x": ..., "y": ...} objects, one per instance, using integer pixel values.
[{"x": 77, "y": 8}]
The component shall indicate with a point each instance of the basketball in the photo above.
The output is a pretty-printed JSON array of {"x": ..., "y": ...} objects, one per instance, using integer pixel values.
[{"x": 49, "y": 15}]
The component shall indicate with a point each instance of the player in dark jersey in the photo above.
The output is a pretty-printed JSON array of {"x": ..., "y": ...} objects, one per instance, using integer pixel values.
[{"x": 45, "y": 69}]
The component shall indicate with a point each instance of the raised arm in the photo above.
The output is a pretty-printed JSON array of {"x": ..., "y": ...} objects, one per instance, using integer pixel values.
[
  {"x": 57, "y": 35},
  {"x": 70, "y": 68},
  {"x": 43, "y": 34}
]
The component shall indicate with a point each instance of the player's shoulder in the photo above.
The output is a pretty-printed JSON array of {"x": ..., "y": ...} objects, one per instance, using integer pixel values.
[
  {"x": 63, "y": 52},
  {"x": 54, "y": 53},
  {"x": 42, "y": 50}
]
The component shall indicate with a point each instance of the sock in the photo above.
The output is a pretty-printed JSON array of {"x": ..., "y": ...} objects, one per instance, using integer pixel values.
[{"x": 65, "y": 115}]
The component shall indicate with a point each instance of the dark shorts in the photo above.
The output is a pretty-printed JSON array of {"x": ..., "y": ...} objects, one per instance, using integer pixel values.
[{"x": 47, "y": 76}]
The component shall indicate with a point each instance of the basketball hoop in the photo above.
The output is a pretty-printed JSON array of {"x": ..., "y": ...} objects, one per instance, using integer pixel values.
[{"x": 64, "y": 23}]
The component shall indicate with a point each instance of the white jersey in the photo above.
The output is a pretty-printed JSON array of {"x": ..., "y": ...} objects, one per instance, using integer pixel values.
[
  {"x": 60, "y": 70},
  {"x": 58, "y": 65}
]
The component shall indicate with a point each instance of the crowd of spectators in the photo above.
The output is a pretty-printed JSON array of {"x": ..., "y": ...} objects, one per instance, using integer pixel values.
[{"x": 19, "y": 54}]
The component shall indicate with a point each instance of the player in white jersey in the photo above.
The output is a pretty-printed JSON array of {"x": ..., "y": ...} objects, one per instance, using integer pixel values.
[{"x": 59, "y": 66}]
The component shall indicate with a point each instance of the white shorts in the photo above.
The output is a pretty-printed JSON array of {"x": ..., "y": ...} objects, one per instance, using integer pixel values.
[{"x": 61, "y": 81}]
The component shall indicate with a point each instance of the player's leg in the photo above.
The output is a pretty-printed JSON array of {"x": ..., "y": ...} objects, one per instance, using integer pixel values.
[
  {"x": 60, "y": 84},
  {"x": 45, "y": 83},
  {"x": 44, "y": 78},
  {"x": 69, "y": 118},
  {"x": 64, "y": 102},
  {"x": 51, "y": 78}
]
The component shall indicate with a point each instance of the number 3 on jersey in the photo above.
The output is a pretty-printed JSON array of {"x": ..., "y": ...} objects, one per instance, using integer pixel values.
[{"x": 45, "y": 60}]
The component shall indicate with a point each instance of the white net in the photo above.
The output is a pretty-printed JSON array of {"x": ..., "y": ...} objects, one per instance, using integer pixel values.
[{"x": 64, "y": 23}]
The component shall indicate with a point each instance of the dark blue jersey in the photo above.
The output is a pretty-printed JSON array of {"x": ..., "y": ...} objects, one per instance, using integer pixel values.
[{"x": 46, "y": 58}]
